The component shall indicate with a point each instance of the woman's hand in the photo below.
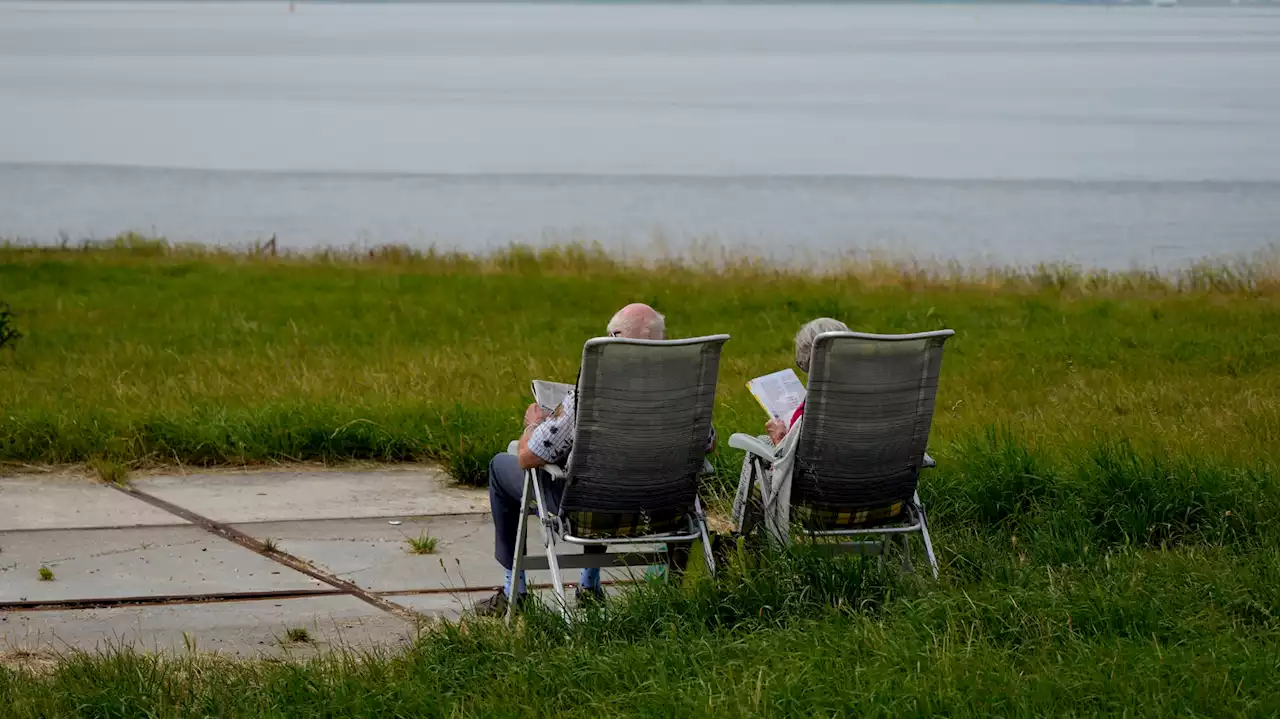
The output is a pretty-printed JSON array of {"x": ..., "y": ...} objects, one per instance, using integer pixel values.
[{"x": 777, "y": 429}]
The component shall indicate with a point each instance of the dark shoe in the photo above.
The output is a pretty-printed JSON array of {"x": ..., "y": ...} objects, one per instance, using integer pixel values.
[
  {"x": 496, "y": 606},
  {"x": 587, "y": 597}
]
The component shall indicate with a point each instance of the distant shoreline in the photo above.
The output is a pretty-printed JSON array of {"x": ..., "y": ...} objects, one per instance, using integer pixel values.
[{"x": 1259, "y": 272}]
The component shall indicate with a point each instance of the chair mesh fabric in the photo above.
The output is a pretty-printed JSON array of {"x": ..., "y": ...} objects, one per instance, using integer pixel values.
[
  {"x": 644, "y": 415},
  {"x": 627, "y": 524},
  {"x": 866, "y": 421}
]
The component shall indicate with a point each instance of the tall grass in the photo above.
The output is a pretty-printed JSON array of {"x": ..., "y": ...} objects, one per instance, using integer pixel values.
[
  {"x": 1106, "y": 507},
  {"x": 1135, "y": 410},
  {"x": 142, "y": 352},
  {"x": 1139, "y": 632}
]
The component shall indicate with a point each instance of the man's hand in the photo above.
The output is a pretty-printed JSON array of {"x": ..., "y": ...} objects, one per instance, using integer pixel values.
[
  {"x": 534, "y": 415},
  {"x": 777, "y": 429}
]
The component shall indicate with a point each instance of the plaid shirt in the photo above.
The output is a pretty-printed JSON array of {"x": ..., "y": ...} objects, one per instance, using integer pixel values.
[{"x": 552, "y": 439}]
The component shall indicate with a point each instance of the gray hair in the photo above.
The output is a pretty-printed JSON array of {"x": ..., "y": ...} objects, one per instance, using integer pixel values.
[
  {"x": 810, "y": 332},
  {"x": 638, "y": 322}
]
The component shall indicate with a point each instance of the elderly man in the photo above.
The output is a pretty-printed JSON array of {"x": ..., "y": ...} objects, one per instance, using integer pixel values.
[{"x": 548, "y": 439}]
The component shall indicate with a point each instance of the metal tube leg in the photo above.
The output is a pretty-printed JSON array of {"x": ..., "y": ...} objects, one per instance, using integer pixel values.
[
  {"x": 549, "y": 541},
  {"x": 924, "y": 536},
  {"x": 706, "y": 537},
  {"x": 517, "y": 558},
  {"x": 554, "y": 563},
  {"x": 906, "y": 554},
  {"x": 752, "y": 511}
]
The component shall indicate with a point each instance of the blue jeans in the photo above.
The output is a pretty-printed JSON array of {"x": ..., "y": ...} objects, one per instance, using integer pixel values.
[{"x": 506, "y": 484}]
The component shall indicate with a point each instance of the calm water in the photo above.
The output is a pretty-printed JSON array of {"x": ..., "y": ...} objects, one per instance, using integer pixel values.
[{"x": 990, "y": 133}]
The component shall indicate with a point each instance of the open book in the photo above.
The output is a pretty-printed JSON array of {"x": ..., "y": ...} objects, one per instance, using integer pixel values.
[
  {"x": 779, "y": 393},
  {"x": 548, "y": 395}
]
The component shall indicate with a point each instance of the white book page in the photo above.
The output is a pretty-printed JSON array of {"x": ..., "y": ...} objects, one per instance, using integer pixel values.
[
  {"x": 779, "y": 393},
  {"x": 548, "y": 395}
]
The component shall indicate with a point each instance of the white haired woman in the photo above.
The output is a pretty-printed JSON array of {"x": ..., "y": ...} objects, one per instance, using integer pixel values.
[{"x": 745, "y": 511}]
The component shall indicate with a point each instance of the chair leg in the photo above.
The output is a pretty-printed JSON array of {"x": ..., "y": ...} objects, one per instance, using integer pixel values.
[
  {"x": 906, "y": 554},
  {"x": 752, "y": 511},
  {"x": 924, "y": 536},
  {"x": 549, "y": 541},
  {"x": 677, "y": 560},
  {"x": 556, "y": 580},
  {"x": 517, "y": 558},
  {"x": 707, "y": 553}
]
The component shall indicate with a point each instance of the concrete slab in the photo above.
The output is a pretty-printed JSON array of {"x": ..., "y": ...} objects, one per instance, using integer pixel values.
[
  {"x": 63, "y": 502},
  {"x": 141, "y": 562},
  {"x": 445, "y": 605},
  {"x": 256, "y": 496},
  {"x": 375, "y": 555},
  {"x": 248, "y": 629}
]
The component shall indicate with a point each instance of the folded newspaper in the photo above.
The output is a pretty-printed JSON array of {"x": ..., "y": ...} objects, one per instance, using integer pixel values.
[
  {"x": 548, "y": 395},
  {"x": 779, "y": 393}
]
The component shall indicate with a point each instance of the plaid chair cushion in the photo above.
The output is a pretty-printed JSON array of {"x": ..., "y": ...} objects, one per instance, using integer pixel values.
[
  {"x": 608, "y": 525},
  {"x": 820, "y": 518}
]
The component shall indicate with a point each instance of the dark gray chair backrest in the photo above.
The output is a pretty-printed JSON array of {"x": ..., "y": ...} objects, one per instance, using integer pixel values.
[
  {"x": 644, "y": 415},
  {"x": 867, "y": 414}
]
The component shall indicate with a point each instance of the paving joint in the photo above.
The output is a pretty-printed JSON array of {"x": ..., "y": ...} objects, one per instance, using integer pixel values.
[
  {"x": 89, "y": 528},
  {"x": 217, "y": 597},
  {"x": 165, "y": 599},
  {"x": 495, "y": 587},
  {"x": 374, "y": 518},
  {"x": 295, "y": 563}
]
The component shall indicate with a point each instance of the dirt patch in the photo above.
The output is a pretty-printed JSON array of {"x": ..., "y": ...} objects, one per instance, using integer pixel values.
[{"x": 32, "y": 662}]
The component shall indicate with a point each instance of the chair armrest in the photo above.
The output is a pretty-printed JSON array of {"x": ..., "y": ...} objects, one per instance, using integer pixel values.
[
  {"x": 753, "y": 445},
  {"x": 929, "y": 462},
  {"x": 554, "y": 471}
]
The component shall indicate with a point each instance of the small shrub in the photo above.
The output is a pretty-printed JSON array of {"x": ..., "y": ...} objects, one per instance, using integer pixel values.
[
  {"x": 9, "y": 334},
  {"x": 137, "y": 245},
  {"x": 46, "y": 574},
  {"x": 422, "y": 544},
  {"x": 298, "y": 635}
]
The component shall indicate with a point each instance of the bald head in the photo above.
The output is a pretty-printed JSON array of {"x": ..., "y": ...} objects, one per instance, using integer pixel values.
[{"x": 638, "y": 322}]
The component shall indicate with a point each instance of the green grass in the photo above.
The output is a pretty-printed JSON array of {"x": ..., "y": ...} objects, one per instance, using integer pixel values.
[
  {"x": 110, "y": 471},
  {"x": 422, "y": 544},
  {"x": 1132, "y": 632},
  {"x": 144, "y": 354},
  {"x": 1106, "y": 507},
  {"x": 9, "y": 335}
]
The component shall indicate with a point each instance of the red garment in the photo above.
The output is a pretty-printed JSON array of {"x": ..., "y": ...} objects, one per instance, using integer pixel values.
[{"x": 799, "y": 411}]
